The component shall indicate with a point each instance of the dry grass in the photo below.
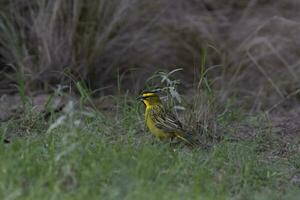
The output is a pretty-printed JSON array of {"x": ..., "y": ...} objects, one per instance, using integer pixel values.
[{"x": 251, "y": 47}]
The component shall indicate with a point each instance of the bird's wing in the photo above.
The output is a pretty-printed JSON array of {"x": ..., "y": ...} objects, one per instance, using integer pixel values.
[
  {"x": 169, "y": 123},
  {"x": 165, "y": 120}
]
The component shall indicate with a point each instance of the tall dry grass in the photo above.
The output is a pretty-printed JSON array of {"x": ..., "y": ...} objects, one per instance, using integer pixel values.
[{"x": 252, "y": 47}]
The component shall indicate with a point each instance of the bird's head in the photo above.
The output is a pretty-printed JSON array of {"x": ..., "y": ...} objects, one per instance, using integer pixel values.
[{"x": 150, "y": 98}]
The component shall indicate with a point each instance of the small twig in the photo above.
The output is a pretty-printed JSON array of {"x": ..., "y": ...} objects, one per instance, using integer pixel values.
[
  {"x": 282, "y": 101},
  {"x": 265, "y": 74}
]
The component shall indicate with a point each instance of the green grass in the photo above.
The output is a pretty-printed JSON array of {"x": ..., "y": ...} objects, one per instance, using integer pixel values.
[{"x": 100, "y": 157}]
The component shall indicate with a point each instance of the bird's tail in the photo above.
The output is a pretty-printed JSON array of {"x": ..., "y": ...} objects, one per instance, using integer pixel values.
[{"x": 187, "y": 138}]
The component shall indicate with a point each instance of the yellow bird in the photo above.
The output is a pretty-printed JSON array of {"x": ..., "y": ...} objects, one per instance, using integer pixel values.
[{"x": 161, "y": 122}]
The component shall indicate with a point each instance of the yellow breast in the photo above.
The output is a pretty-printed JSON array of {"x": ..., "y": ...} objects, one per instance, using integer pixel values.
[{"x": 153, "y": 129}]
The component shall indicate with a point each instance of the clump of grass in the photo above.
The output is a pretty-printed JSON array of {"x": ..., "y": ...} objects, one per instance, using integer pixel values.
[
  {"x": 91, "y": 40},
  {"x": 30, "y": 122}
]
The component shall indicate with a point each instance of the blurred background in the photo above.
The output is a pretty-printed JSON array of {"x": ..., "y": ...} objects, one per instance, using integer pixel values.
[{"x": 246, "y": 49}]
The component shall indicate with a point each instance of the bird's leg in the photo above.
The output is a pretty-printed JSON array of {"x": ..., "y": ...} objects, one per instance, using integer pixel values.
[
  {"x": 172, "y": 144},
  {"x": 173, "y": 141}
]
